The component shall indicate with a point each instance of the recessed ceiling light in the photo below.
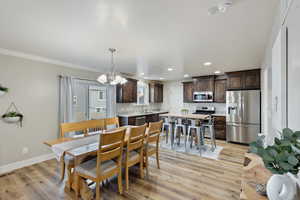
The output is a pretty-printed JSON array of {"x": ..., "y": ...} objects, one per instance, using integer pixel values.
[
  {"x": 217, "y": 72},
  {"x": 207, "y": 64},
  {"x": 170, "y": 69},
  {"x": 142, "y": 73},
  {"x": 186, "y": 75},
  {"x": 161, "y": 78}
]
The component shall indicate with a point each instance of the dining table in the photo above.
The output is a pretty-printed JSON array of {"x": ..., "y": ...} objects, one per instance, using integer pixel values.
[
  {"x": 200, "y": 117},
  {"x": 80, "y": 148}
]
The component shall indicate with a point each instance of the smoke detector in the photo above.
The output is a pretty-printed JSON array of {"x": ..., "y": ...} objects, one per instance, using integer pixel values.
[{"x": 222, "y": 7}]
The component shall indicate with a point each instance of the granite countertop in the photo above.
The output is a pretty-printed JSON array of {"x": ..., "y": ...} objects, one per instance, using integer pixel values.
[{"x": 141, "y": 113}]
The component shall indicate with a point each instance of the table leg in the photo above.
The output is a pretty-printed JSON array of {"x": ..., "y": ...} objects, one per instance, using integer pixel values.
[{"x": 85, "y": 192}]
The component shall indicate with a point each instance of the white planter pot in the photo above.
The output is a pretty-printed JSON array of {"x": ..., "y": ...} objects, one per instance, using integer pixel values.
[
  {"x": 11, "y": 119},
  {"x": 282, "y": 187},
  {"x": 2, "y": 93}
]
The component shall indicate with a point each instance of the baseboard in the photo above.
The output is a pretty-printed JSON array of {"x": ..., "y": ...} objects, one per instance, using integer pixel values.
[{"x": 24, "y": 163}]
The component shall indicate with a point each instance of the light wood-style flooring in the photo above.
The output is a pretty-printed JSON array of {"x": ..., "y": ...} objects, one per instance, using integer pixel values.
[{"x": 181, "y": 176}]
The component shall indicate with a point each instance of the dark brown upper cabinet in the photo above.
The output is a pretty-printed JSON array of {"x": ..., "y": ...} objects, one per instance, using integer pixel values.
[
  {"x": 204, "y": 83},
  {"x": 156, "y": 93},
  {"x": 188, "y": 89},
  {"x": 243, "y": 80},
  {"x": 220, "y": 91},
  {"x": 235, "y": 80},
  {"x": 252, "y": 79},
  {"x": 127, "y": 93}
]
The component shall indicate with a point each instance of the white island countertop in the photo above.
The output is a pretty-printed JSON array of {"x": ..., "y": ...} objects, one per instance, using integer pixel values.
[
  {"x": 136, "y": 114},
  {"x": 219, "y": 114}
]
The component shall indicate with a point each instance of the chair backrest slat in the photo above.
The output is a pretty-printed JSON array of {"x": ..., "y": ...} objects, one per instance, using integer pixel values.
[
  {"x": 81, "y": 126},
  {"x": 154, "y": 132},
  {"x": 136, "y": 137},
  {"x": 111, "y": 154},
  {"x": 112, "y": 121}
]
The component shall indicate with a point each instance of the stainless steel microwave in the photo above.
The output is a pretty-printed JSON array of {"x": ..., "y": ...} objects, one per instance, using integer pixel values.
[{"x": 205, "y": 96}]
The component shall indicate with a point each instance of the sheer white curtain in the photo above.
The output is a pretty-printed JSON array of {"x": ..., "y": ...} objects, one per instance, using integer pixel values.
[
  {"x": 65, "y": 99},
  {"x": 111, "y": 101}
]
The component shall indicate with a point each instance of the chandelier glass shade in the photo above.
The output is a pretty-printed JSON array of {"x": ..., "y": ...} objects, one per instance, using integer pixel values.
[{"x": 111, "y": 78}]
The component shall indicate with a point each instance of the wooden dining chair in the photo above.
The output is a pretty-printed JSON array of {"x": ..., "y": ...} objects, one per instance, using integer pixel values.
[
  {"x": 112, "y": 122},
  {"x": 83, "y": 127},
  {"x": 134, "y": 152},
  {"x": 107, "y": 164},
  {"x": 152, "y": 143},
  {"x": 67, "y": 128},
  {"x": 95, "y": 125}
]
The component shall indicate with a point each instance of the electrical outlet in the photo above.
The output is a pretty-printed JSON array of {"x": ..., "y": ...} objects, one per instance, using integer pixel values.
[{"x": 25, "y": 150}]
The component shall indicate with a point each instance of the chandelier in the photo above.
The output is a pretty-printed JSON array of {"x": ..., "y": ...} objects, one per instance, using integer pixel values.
[{"x": 111, "y": 78}]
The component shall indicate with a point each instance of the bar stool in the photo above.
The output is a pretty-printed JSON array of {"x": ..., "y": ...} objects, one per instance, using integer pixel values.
[
  {"x": 181, "y": 127},
  {"x": 167, "y": 126},
  {"x": 211, "y": 132},
  {"x": 198, "y": 132}
]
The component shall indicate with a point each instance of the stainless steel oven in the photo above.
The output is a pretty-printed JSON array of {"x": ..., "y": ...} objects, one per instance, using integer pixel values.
[{"x": 206, "y": 96}]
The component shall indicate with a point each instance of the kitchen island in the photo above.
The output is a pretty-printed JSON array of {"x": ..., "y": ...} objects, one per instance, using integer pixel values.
[{"x": 139, "y": 118}]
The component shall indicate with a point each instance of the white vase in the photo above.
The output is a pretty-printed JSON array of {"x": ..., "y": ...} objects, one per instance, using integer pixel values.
[
  {"x": 295, "y": 178},
  {"x": 281, "y": 187},
  {"x": 11, "y": 119},
  {"x": 2, "y": 93}
]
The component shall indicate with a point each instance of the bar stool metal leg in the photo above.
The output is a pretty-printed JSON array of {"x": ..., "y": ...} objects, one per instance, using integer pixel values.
[
  {"x": 199, "y": 140},
  {"x": 185, "y": 138},
  {"x": 213, "y": 139}
]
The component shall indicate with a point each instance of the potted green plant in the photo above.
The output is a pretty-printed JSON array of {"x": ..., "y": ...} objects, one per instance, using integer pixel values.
[
  {"x": 12, "y": 117},
  {"x": 283, "y": 160},
  {"x": 3, "y": 90},
  {"x": 283, "y": 156}
]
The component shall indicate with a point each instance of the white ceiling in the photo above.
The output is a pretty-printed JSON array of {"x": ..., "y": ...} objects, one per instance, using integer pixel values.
[{"x": 150, "y": 35}]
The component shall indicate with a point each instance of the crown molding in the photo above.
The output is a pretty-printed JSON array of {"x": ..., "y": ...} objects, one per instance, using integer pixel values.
[{"x": 44, "y": 60}]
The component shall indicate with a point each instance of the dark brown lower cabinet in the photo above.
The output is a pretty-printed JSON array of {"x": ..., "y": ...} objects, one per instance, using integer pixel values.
[
  {"x": 152, "y": 118},
  {"x": 220, "y": 127},
  {"x": 138, "y": 120}
]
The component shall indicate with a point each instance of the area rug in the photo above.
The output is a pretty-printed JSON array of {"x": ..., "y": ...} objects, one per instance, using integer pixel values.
[{"x": 208, "y": 153}]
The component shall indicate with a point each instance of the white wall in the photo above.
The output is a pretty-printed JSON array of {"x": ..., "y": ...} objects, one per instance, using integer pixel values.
[
  {"x": 33, "y": 86},
  {"x": 268, "y": 96},
  {"x": 267, "y": 81},
  {"x": 173, "y": 99}
]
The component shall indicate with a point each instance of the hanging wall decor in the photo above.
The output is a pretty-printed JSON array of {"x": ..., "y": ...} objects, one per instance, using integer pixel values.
[
  {"x": 13, "y": 115},
  {"x": 3, "y": 90}
]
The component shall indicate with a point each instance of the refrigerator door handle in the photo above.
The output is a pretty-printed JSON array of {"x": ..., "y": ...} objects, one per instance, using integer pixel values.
[{"x": 231, "y": 108}]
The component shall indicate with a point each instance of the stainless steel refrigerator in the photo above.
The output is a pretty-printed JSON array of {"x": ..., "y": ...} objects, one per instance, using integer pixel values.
[{"x": 243, "y": 116}]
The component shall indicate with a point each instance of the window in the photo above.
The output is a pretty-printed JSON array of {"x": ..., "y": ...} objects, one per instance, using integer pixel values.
[
  {"x": 100, "y": 95},
  {"x": 89, "y": 100}
]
